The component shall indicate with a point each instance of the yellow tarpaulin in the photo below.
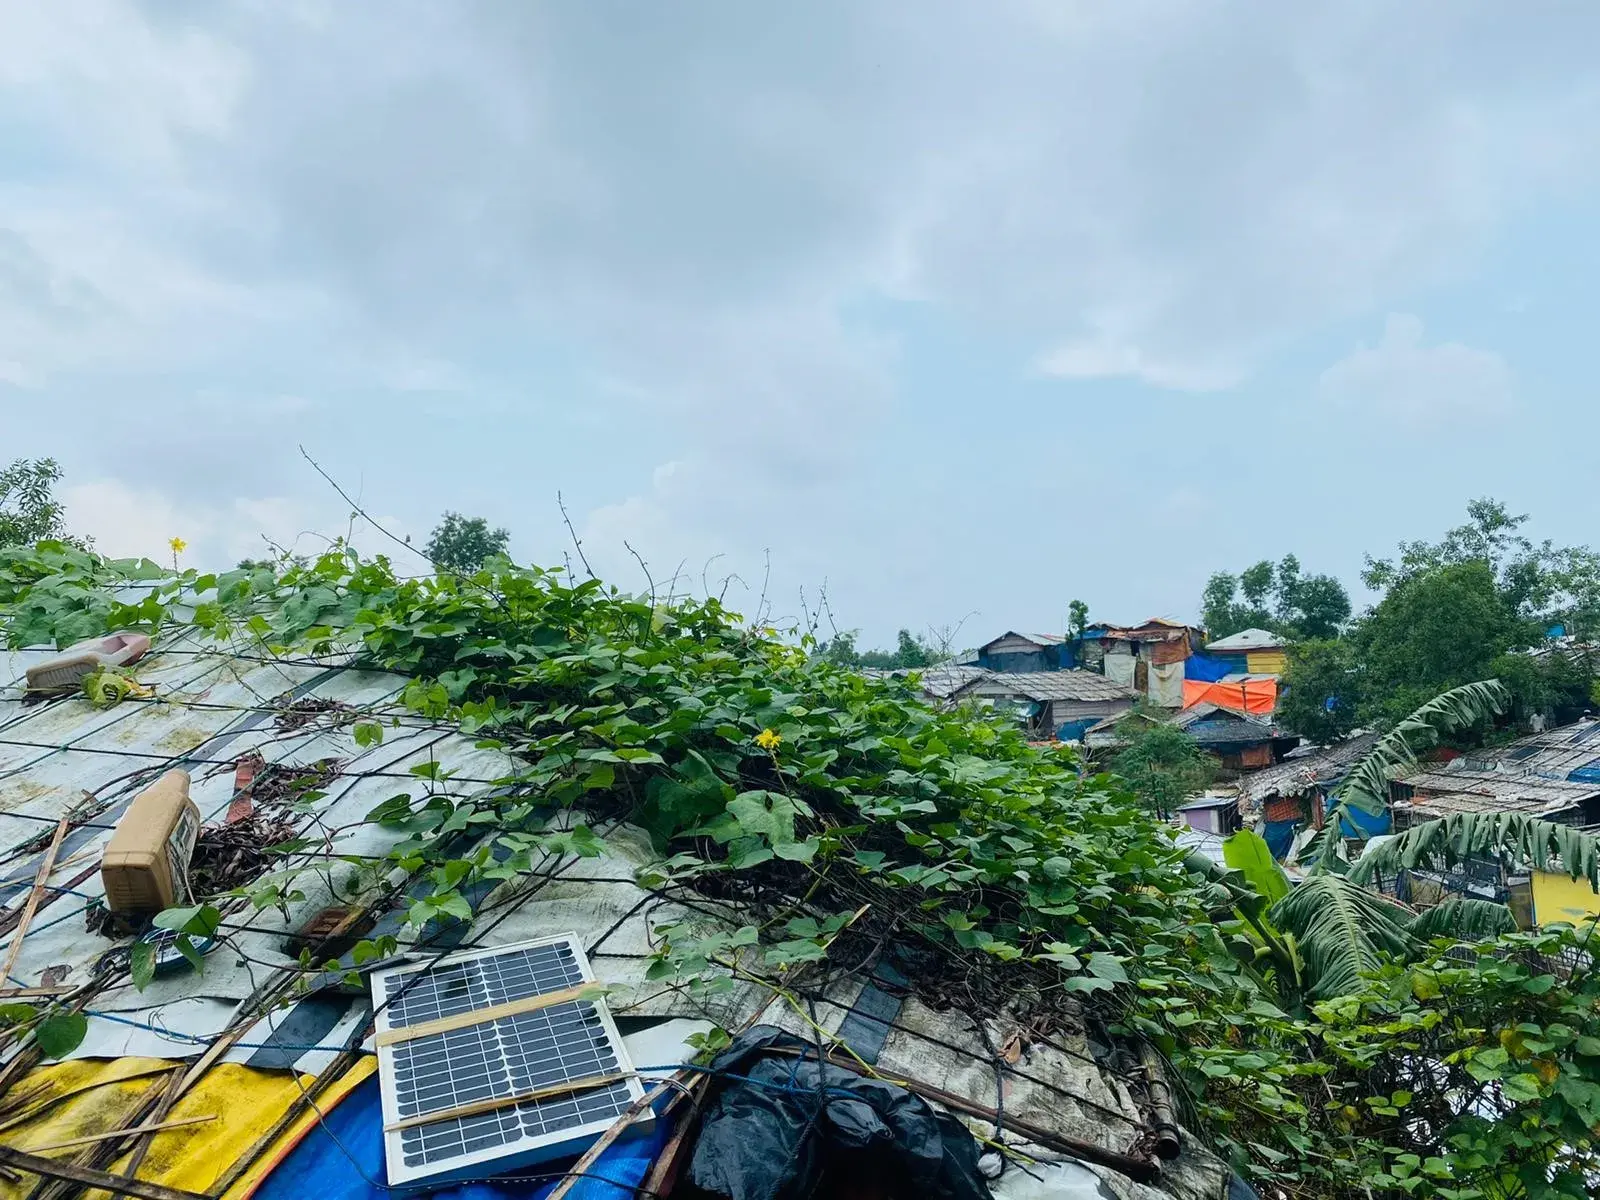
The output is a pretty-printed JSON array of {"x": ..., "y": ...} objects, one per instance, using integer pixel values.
[
  {"x": 68, "y": 1100},
  {"x": 1558, "y": 899}
]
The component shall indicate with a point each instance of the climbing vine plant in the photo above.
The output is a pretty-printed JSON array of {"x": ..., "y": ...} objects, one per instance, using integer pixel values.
[{"x": 847, "y": 815}]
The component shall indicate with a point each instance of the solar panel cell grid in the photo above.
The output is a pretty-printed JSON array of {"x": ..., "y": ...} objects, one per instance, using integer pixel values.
[{"x": 533, "y": 1050}]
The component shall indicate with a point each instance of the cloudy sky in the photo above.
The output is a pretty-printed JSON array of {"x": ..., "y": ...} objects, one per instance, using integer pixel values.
[{"x": 954, "y": 307}]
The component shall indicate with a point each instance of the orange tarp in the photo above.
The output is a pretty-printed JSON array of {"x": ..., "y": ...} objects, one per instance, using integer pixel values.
[{"x": 1258, "y": 696}]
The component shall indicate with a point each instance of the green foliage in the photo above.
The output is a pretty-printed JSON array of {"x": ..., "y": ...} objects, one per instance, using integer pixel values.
[
  {"x": 56, "y": 593},
  {"x": 60, "y": 1032},
  {"x": 1466, "y": 1079},
  {"x": 862, "y": 814},
  {"x": 1276, "y": 598},
  {"x": 1164, "y": 765},
  {"x": 1507, "y": 836},
  {"x": 463, "y": 544},
  {"x": 1077, "y": 618},
  {"x": 1366, "y": 787},
  {"x": 1247, "y": 853},
  {"x": 910, "y": 651},
  {"x": 1343, "y": 931},
  {"x": 29, "y": 510},
  {"x": 1322, "y": 691},
  {"x": 1434, "y": 629}
]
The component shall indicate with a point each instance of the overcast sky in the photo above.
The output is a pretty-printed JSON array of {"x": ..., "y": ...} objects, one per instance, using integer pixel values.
[{"x": 960, "y": 308}]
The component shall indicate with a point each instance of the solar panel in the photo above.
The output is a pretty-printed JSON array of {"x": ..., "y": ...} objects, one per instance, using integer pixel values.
[{"x": 503, "y": 1050}]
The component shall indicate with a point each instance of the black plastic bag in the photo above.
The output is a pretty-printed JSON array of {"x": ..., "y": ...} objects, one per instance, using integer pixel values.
[{"x": 771, "y": 1134}]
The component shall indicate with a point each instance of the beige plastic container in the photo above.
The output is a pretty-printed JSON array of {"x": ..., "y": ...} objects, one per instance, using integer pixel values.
[
  {"x": 66, "y": 672},
  {"x": 146, "y": 865}
]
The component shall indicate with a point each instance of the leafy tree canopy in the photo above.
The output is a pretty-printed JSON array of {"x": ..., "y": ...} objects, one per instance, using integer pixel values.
[
  {"x": 463, "y": 544},
  {"x": 29, "y": 510},
  {"x": 910, "y": 651},
  {"x": 1164, "y": 765},
  {"x": 1278, "y": 598}
]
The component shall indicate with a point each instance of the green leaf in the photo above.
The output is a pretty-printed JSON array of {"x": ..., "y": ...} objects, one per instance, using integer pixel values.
[
  {"x": 1523, "y": 1086},
  {"x": 60, "y": 1033},
  {"x": 17, "y": 1013},
  {"x": 804, "y": 851},
  {"x": 201, "y": 920},
  {"x": 1247, "y": 852},
  {"x": 1106, "y": 966},
  {"x": 1086, "y": 983},
  {"x": 142, "y": 964},
  {"x": 368, "y": 733}
]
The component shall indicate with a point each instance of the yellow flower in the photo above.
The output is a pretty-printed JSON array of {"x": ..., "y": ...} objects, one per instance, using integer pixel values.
[
  {"x": 178, "y": 545},
  {"x": 768, "y": 739}
]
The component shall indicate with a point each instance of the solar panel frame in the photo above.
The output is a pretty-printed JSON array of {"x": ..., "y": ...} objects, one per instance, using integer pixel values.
[{"x": 546, "y": 1046}]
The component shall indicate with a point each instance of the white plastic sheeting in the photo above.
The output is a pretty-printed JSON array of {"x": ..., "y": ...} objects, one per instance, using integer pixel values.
[{"x": 1166, "y": 685}]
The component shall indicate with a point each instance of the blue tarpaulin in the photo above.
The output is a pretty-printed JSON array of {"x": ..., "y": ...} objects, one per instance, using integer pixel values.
[
  {"x": 1279, "y": 836},
  {"x": 341, "y": 1158},
  {"x": 1357, "y": 823},
  {"x": 1206, "y": 668},
  {"x": 1073, "y": 730}
]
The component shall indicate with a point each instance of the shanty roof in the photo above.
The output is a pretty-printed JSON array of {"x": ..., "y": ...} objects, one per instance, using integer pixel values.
[
  {"x": 1050, "y": 685},
  {"x": 1553, "y": 754},
  {"x": 1439, "y": 793},
  {"x": 1038, "y": 639},
  {"x": 1209, "y": 724},
  {"x": 1247, "y": 639},
  {"x": 253, "y": 1043},
  {"x": 1156, "y": 629},
  {"x": 940, "y": 681},
  {"x": 1304, "y": 769}
]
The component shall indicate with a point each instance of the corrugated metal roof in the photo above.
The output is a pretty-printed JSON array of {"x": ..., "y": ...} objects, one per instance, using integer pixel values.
[
  {"x": 1553, "y": 754},
  {"x": 1248, "y": 639},
  {"x": 1435, "y": 793},
  {"x": 1302, "y": 771},
  {"x": 1051, "y": 685},
  {"x": 1038, "y": 639}
]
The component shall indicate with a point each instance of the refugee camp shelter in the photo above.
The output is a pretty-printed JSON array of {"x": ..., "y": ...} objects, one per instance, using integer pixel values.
[
  {"x": 1018, "y": 652},
  {"x": 1054, "y": 704},
  {"x": 1297, "y": 788},
  {"x": 249, "y": 1077},
  {"x": 1253, "y": 652}
]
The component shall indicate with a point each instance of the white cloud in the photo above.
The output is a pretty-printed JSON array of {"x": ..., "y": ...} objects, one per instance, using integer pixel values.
[
  {"x": 1104, "y": 359},
  {"x": 444, "y": 227},
  {"x": 1431, "y": 386}
]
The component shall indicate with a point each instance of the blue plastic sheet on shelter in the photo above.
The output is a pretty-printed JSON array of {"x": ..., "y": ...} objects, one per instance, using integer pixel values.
[
  {"x": 1357, "y": 823},
  {"x": 1205, "y": 668},
  {"x": 1279, "y": 836},
  {"x": 341, "y": 1158},
  {"x": 1072, "y": 731}
]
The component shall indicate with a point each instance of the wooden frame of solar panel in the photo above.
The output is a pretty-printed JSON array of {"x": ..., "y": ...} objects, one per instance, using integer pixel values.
[{"x": 547, "y": 1047}]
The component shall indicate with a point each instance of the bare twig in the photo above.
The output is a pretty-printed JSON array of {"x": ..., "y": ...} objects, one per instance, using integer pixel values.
[
  {"x": 577, "y": 542},
  {"x": 638, "y": 558},
  {"x": 356, "y": 507}
]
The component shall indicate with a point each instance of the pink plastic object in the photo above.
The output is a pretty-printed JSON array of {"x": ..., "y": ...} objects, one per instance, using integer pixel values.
[{"x": 66, "y": 672}]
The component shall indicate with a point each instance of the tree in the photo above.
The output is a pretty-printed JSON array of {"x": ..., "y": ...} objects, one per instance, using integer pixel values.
[
  {"x": 1318, "y": 608},
  {"x": 1164, "y": 766},
  {"x": 1256, "y": 583},
  {"x": 1276, "y": 598},
  {"x": 29, "y": 511},
  {"x": 910, "y": 651},
  {"x": 1438, "y": 627},
  {"x": 1077, "y": 618},
  {"x": 463, "y": 544},
  {"x": 1322, "y": 691}
]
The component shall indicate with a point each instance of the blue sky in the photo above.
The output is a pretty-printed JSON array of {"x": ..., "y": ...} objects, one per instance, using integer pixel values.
[{"x": 954, "y": 309}]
